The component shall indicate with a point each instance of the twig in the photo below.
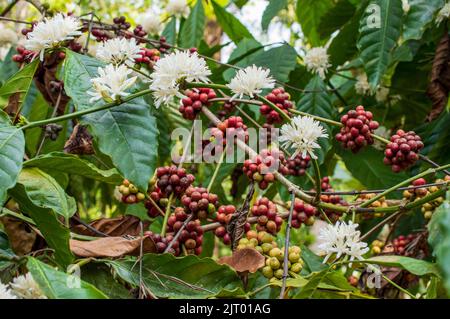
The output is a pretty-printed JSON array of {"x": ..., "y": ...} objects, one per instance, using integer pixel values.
[
  {"x": 286, "y": 246},
  {"x": 177, "y": 235}
]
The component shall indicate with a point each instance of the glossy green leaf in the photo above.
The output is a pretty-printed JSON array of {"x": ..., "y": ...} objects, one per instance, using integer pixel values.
[
  {"x": 44, "y": 191},
  {"x": 178, "y": 277},
  {"x": 100, "y": 276},
  {"x": 335, "y": 18},
  {"x": 230, "y": 25},
  {"x": 72, "y": 164},
  {"x": 281, "y": 61},
  {"x": 56, "y": 284},
  {"x": 415, "y": 266},
  {"x": 20, "y": 82},
  {"x": 379, "y": 30},
  {"x": 193, "y": 27},
  {"x": 170, "y": 31},
  {"x": 12, "y": 148},
  {"x": 419, "y": 17},
  {"x": 309, "y": 14},
  {"x": 127, "y": 133},
  {"x": 271, "y": 11}
]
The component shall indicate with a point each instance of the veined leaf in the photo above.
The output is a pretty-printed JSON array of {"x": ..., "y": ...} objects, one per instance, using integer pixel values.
[
  {"x": 379, "y": 31},
  {"x": 193, "y": 27},
  {"x": 271, "y": 11},
  {"x": 419, "y": 17},
  {"x": 230, "y": 25},
  {"x": 309, "y": 14}
]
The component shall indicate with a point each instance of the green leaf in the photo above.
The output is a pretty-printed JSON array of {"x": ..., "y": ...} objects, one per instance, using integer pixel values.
[
  {"x": 419, "y": 17},
  {"x": 309, "y": 14},
  {"x": 99, "y": 275},
  {"x": 45, "y": 192},
  {"x": 127, "y": 133},
  {"x": 414, "y": 266},
  {"x": 230, "y": 25},
  {"x": 56, "y": 284},
  {"x": 72, "y": 164},
  {"x": 12, "y": 148},
  {"x": 193, "y": 28},
  {"x": 178, "y": 277},
  {"x": 335, "y": 18},
  {"x": 242, "y": 56},
  {"x": 280, "y": 61},
  {"x": 377, "y": 40},
  {"x": 20, "y": 82},
  {"x": 56, "y": 235},
  {"x": 170, "y": 31},
  {"x": 439, "y": 239},
  {"x": 369, "y": 169},
  {"x": 8, "y": 67},
  {"x": 271, "y": 11},
  {"x": 310, "y": 288}
]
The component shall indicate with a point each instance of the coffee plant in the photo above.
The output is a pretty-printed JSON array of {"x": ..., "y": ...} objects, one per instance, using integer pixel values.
[{"x": 175, "y": 153}]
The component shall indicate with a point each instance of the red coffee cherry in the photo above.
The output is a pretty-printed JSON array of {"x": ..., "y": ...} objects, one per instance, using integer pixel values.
[
  {"x": 162, "y": 243},
  {"x": 195, "y": 99},
  {"x": 224, "y": 214},
  {"x": 403, "y": 150},
  {"x": 261, "y": 168},
  {"x": 357, "y": 130},
  {"x": 23, "y": 56},
  {"x": 173, "y": 180},
  {"x": 282, "y": 100},
  {"x": 191, "y": 236},
  {"x": 401, "y": 243},
  {"x": 303, "y": 213},
  {"x": 139, "y": 32},
  {"x": 148, "y": 57},
  {"x": 100, "y": 35},
  {"x": 333, "y": 199},
  {"x": 268, "y": 219},
  {"x": 201, "y": 203},
  {"x": 297, "y": 166}
]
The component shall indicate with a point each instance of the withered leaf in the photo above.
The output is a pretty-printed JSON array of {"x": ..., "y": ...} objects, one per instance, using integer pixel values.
[
  {"x": 80, "y": 142},
  {"x": 112, "y": 247},
  {"x": 244, "y": 260},
  {"x": 119, "y": 226}
]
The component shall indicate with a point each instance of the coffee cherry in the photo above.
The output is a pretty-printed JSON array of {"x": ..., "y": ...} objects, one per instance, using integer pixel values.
[
  {"x": 282, "y": 100},
  {"x": 148, "y": 57},
  {"x": 333, "y": 199},
  {"x": 162, "y": 243},
  {"x": 140, "y": 33},
  {"x": 275, "y": 261},
  {"x": 357, "y": 130},
  {"x": 200, "y": 202},
  {"x": 260, "y": 169},
  {"x": 297, "y": 166},
  {"x": 401, "y": 244},
  {"x": 24, "y": 55},
  {"x": 100, "y": 35},
  {"x": 191, "y": 236},
  {"x": 303, "y": 213},
  {"x": 376, "y": 204},
  {"x": 130, "y": 193},
  {"x": 377, "y": 246},
  {"x": 173, "y": 180},
  {"x": 195, "y": 99},
  {"x": 403, "y": 150},
  {"x": 268, "y": 220}
]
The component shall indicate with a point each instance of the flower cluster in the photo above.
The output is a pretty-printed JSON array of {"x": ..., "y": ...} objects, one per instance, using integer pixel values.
[
  {"x": 302, "y": 135},
  {"x": 118, "y": 51},
  {"x": 342, "y": 239},
  {"x": 250, "y": 81},
  {"x": 173, "y": 69},
  {"x": 316, "y": 61}
]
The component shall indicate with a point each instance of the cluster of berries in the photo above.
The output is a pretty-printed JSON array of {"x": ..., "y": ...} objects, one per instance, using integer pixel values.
[
  {"x": 282, "y": 100},
  {"x": 130, "y": 193},
  {"x": 260, "y": 169},
  {"x": 148, "y": 57},
  {"x": 23, "y": 55},
  {"x": 376, "y": 204},
  {"x": 262, "y": 241},
  {"x": 121, "y": 23},
  {"x": 200, "y": 202},
  {"x": 224, "y": 214},
  {"x": 303, "y": 213},
  {"x": 159, "y": 199},
  {"x": 357, "y": 130},
  {"x": 100, "y": 35},
  {"x": 418, "y": 193},
  {"x": 376, "y": 247},
  {"x": 163, "y": 242},
  {"x": 233, "y": 126},
  {"x": 195, "y": 99},
  {"x": 298, "y": 165},
  {"x": 275, "y": 262},
  {"x": 140, "y": 33},
  {"x": 403, "y": 150},
  {"x": 401, "y": 245},
  {"x": 268, "y": 220},
  {"x": 333, "y": 199},
  {"x": 173, "y": 180},
  {"x": 191, "y": 237},
  {"x": 163, "y": 46}
]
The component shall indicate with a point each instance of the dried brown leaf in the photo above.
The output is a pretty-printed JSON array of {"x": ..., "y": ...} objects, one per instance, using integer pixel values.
[
  {"x": 244, "y": 260},
  {"x": 80, "y": 142},
  {"x": 112, "y": 247}
]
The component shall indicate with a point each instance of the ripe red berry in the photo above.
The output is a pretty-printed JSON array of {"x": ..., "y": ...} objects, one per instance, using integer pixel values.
[
  {"x": 195, "y": 99},
  {"x": 403, "y": 150},
  {"x": 282, "y": 100}
]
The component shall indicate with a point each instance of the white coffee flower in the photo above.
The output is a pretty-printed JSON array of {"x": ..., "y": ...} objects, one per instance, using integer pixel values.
[
  {"x": 316, "y": 60},
  {"x": 251, "y": 81},
  {"x": 5, "y": 293},
  {"x": 51, "y": 32},
  {"x": 177, "y": 8},
  {"x": 406, "y": 6},
  {"x": 443, "y": 14},
  {"x": 362, "y": 85},
  {"x": 174, "y": 68},
  {"x": 342, "y": 239},
  {"x": 118, "y": 50},
  {"x": 112, "y": 83},
  {"x": 7, "y": 36},
  {"x": 302, "y": 135},
  {"x": 25, "y": 287},
  {"x": 151, "y": 22}
]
